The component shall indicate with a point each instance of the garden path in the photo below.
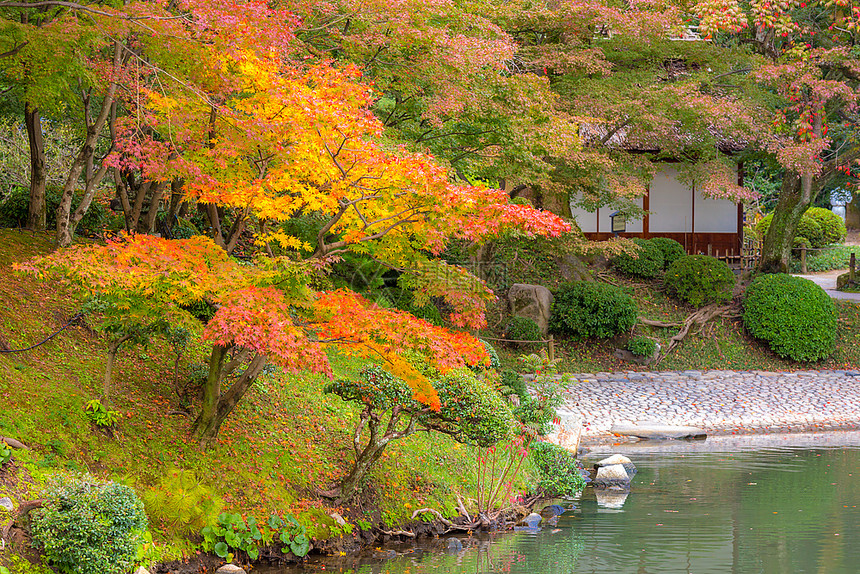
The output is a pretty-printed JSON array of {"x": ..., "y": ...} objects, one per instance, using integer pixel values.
[{"x": 827, "y": 281}]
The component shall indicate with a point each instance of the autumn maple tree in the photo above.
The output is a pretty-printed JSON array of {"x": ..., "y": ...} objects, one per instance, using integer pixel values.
[
  {"x": 257, "y": 136},
  {"x": 812, "y": 73}
]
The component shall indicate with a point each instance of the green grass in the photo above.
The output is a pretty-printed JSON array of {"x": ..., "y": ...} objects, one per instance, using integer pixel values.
[{"x": 285, "y": 441}]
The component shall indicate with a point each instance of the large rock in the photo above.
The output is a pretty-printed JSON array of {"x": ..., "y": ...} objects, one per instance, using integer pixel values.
[
  {"x": 567, "y": 432},
  {"x": 531, "y": 301},
  {"x": 532, "y": 520},
  {"x": 612, "y": 475},
  {"x": 657, "y": 431},
  {"x": 629, "y": 357},
  {"x": 230, "y": 569},
  {"x": 618, "y": 459}
]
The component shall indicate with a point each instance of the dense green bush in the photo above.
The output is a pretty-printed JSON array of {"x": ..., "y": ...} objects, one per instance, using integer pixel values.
[
  {"x": 405, "y": 301},
  {"x": 670, "y": 249},
  {"x": 642, "y": 346},
  {"x": 558, "y": 469},
  {"x": 818, "y": 225},
  {"x": 585, "y": 309},
  {"x": 513, "y": 383},
  {"x": 494, "y": 364},
  {"x": 89, "y": 527},
  {"x": 647, "y": 263},
  {"x": 523, "y": 329},
  {"x": 699, "y": 280},
  {"x": 794, "y": 315},
  {"x": 832, "y": 226},
  {"x": 15, "y": 206}
]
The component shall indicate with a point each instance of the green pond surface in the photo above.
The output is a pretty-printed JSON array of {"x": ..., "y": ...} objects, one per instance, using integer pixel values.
[{"x": 781, "y": 505}]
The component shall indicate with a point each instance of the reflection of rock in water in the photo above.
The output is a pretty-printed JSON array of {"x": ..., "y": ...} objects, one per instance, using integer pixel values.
[
  {"x": 611, "y": 498},
  {"x": 453, "y": 545}
]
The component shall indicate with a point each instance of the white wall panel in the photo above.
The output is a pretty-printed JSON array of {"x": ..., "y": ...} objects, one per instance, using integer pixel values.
[
  {"x": 670, "y": 204},
  {"x": 587, "y": 221},
  {"x": 715, "y": 215}
]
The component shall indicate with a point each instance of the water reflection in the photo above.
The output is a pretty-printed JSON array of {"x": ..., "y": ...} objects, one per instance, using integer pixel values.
[{"x": 776, "y": 510}]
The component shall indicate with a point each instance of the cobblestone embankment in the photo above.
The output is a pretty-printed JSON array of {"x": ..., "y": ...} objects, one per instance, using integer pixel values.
[{"x": 721, "y": 402}]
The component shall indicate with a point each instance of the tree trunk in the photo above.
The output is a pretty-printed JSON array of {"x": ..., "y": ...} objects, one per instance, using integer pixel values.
[
  {"x": 113, "y": 349},
  {"x": 154, "y": 202},
  {"x": 83, "y": 160},
  {"x": 795, "y": 197},
  {"x": 216, "y": 406},
  {"x": 37, "y": 213},
  {"x": 852, "y": 214},
  {"x": 366, "y": 457},
  {"x": 363, "y": 464}
]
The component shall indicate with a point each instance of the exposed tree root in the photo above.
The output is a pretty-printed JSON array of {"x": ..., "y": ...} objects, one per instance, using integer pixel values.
[
  {"x": 13, "y": 443},
  {"x": 435, "y": 513},
  {"x": 698, "y": 319},
  {"x": 23, "y": 510}
]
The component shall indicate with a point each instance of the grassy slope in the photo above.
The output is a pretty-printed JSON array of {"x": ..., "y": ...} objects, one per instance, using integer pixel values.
[
  {"x": 284, "y": 441},
  {"x": 722, "y": 344}
]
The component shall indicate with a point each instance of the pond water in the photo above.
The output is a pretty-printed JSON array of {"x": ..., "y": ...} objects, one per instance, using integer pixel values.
[{"x": 762, "y": 505}]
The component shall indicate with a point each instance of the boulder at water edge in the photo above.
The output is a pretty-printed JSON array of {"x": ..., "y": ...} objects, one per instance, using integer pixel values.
[
  {"x": 532, "y": 520},
  {"x": 618, "y": 459},
  {"x": 230, "y": 569},
  {"x": 532, "y": 302},
  {"x": 612, "y": 475}
]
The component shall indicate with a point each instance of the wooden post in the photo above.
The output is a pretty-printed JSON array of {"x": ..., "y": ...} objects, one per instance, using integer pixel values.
[
  {"x": 852, "y": 274},
  {"x": 803, "y": 259},
  {"x": 551, "y": 348}
]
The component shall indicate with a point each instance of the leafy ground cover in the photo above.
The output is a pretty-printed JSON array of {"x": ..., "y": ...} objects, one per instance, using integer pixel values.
[{"x": 283, "y": 445}]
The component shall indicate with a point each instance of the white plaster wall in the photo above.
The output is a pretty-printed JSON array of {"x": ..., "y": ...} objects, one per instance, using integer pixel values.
[
  {"x": 670, "y": 204},
  {"x": 587, "y": 221},
  {"x": 715, "y": 215}
]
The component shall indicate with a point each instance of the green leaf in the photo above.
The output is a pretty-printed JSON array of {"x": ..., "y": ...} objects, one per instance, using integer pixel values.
[
  {"x": 300, "y": 545},
  {"x": 221, "y": 549}
]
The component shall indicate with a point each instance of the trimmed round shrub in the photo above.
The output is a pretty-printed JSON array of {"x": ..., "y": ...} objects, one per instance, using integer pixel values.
[
  {"x": 642, "y": 346},
  {"x": 523, "y": 329},
  {"x": 699, "y": 280},
  {"x": 648, "y": 262},
  {"x": 89, "y": 527},
  {"x": 810, "y": 229},
  {"x": 584, "y": 309},
  {"x": 670, "y": 249},
  {"x": 794, "y": 315},
  {"x": 559, "y": 472},
  {"x": 832, "y": 227}
]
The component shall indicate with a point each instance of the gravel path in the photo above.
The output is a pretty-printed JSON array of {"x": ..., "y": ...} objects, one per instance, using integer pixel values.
[{"x": 722, "y": 402}]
